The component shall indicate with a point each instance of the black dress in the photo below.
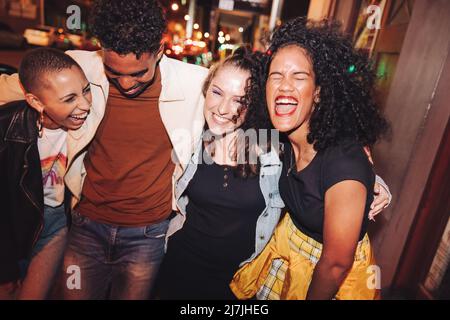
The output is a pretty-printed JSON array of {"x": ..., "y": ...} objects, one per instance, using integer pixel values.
[
  {"x": 218, "y": 234},
  {"x": 303, "y": 192}
]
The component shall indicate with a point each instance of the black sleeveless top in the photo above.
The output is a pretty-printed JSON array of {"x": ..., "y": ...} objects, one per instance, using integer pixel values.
[{"x": 218, "y": 234}]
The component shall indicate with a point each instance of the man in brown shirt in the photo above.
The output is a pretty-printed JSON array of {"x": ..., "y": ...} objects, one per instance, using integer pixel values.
[
  {"x": 128, "y": 165},
  {"x": 119, "y": 224}
]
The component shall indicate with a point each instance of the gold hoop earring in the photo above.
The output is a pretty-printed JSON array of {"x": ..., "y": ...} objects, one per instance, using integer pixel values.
[{"x": 40, "y": 124}]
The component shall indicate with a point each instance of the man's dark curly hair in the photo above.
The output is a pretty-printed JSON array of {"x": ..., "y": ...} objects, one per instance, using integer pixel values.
[
  {"x": 128, "y": 26},
  {"x": 347, "y": 107},
  {"x": 243, "y": 58}
]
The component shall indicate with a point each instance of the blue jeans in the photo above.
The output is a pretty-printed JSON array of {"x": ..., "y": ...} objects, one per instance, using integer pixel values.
[
  {"x": 40, "y": 271},
  {"x": 47, "y": 255},
  {"x": 54, "y": 221},
  {"x": 104, "y": 261}
]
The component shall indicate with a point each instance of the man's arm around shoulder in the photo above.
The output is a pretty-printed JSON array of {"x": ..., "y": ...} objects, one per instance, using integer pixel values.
[{"x": 10, "y": 89}]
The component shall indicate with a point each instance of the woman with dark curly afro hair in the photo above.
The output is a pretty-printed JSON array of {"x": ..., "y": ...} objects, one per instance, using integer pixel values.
[{"x": 319, "y": 94}]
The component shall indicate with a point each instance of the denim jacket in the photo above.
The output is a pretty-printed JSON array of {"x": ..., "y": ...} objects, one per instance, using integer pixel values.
[{"x": 268, "y": 180}]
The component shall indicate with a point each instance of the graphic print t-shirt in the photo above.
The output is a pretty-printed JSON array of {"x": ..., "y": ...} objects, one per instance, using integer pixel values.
[{"x": 53, "y": 153}]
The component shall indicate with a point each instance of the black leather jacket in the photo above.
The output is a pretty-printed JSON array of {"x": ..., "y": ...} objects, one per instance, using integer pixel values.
[{"x": 21, "y": 190}]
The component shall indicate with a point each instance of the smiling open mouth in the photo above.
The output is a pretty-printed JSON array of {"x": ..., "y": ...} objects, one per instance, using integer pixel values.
[
  {"x": 220, "y": 119},
  {"x": 79, "y": 116},
  {"x": 132, "y": 90},
  {"x": 285, "y": 106}
]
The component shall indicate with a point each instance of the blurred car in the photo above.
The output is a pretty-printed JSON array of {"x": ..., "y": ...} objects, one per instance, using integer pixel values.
[
  {"x": 41, "y": 36},
  {"x": 62, "y": 40},
  {"x": 10, "y": 39},
  {"x": 7, "y": 69},
  {"x": 75, "y": 39},
  {"x": 44, "y": 36}
]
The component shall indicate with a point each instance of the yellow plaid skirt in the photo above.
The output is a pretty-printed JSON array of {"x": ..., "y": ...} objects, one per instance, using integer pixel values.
[{"x": 284, "y": 269}]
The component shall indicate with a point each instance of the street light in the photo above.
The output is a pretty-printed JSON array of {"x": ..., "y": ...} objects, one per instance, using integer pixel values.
[
  {"x": 196, "y": 26},
  {"x": 220, "y": 33},
  {"x": 227, "y": 37},
  {"x": 241, "y": 29},
  {"x": 175, "y": 6},
  {"x": 206, "y": 35},
  {"x": 186, "y": 17}
]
